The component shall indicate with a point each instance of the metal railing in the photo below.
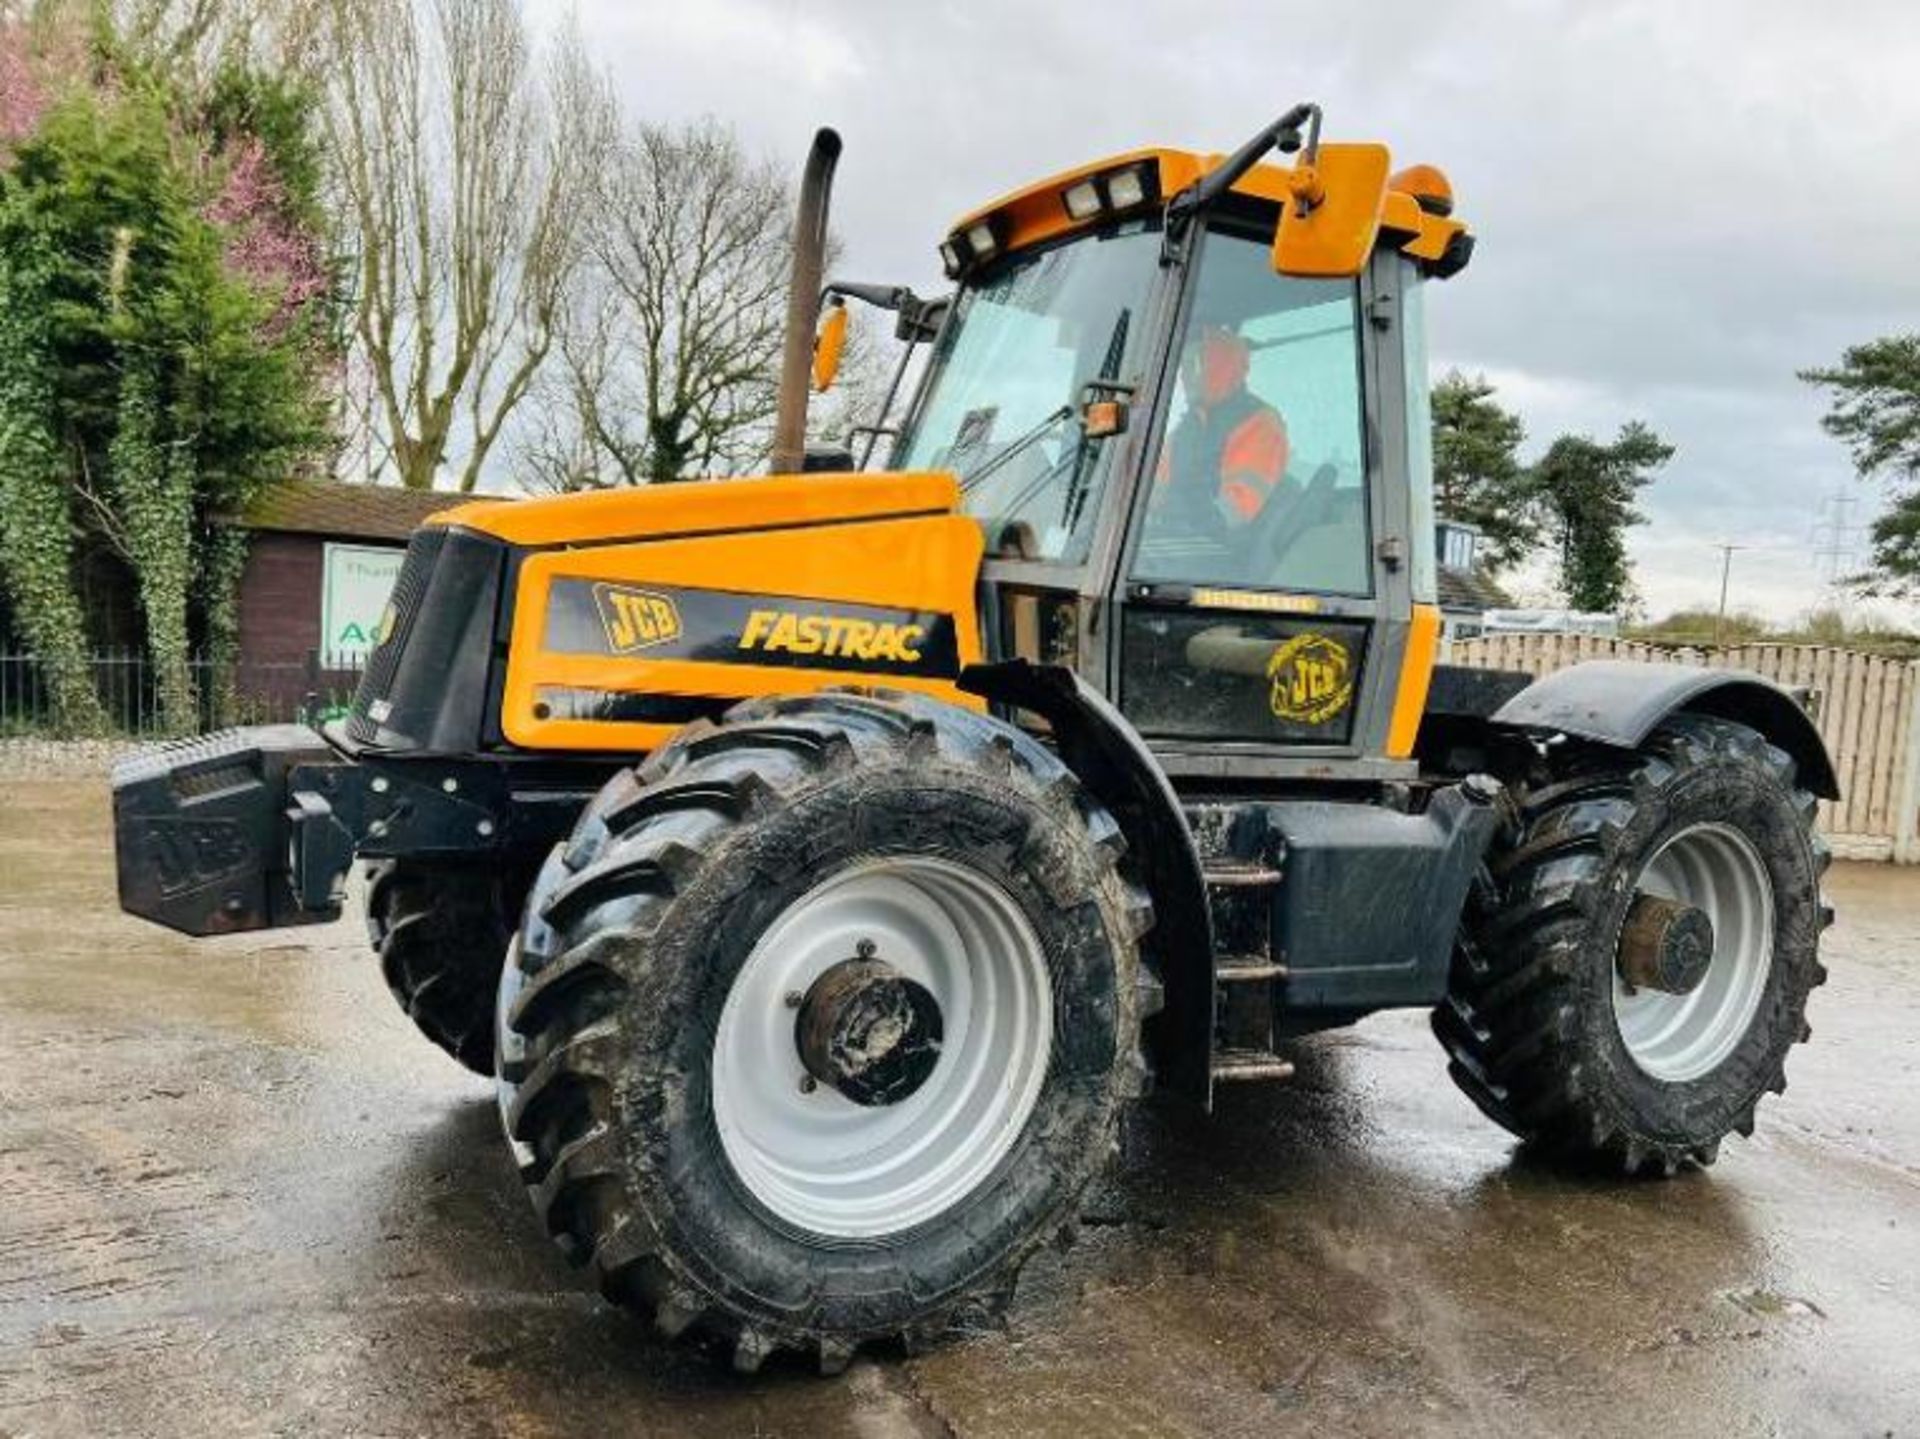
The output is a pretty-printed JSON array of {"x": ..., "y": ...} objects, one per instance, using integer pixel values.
[{"x": 311, "y": 690}]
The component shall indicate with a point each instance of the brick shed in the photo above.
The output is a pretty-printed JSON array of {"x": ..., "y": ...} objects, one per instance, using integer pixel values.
[{"x": 295, "y": 529}]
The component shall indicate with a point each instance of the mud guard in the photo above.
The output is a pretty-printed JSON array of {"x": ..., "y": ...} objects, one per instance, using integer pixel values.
[
  {"x": 1619, "y": 702},
  {"x": 1111, "y": 759}
]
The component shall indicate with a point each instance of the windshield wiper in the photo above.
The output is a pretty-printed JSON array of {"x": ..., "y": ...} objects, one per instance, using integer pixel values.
[
  {"x": 1108, "y": 382},
  {"x": 1031, "y": 437}
]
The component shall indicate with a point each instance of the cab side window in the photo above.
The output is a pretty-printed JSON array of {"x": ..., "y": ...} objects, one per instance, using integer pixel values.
[{"x": 1261, "y": 477}]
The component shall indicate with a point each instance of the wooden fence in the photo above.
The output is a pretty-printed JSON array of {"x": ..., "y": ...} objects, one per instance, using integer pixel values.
[{"x": 1865, "y": 705}]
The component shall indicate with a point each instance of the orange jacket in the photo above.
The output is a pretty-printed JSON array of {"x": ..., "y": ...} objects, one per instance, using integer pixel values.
[
  {"x": 1227, "y": 433},
  {"x": 1239, "y": 443}
]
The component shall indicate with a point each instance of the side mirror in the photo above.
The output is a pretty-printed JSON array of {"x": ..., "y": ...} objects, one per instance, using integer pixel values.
[
  {"x": 1331, "y": 218},
  {"x": 828, "y": 345}
]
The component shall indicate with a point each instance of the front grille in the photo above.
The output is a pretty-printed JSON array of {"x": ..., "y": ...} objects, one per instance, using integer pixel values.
[{"x": 416, "y": 571}]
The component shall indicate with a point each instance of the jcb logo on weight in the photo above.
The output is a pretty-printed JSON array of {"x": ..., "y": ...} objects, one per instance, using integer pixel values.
[
  {"x": 635, "y": 619},
  {"x": 1311, "y": 678}
]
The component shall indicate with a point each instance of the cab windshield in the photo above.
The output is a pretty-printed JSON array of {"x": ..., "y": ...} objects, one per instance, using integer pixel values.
[{"x": 1004, "y": 392}]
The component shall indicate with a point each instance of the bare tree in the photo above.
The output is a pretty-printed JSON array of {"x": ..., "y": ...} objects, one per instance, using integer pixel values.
[
  {"x": 462, "y": 180},
  {"x": 187, "y": 39},
  {"x": 669, "y": 356}
]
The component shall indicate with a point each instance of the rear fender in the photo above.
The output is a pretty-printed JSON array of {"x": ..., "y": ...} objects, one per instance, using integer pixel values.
[
  {"x": 1110, "y": 758},
  {"x": 1620, "y": 702}
]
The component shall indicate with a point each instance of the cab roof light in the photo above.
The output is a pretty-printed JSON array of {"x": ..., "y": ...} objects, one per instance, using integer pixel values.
[
  {"x": 1102, "y": 194},
  {"x": 1082, "y": 200},
  {"x": 1127, "y": 188},
  {"x": 975, "y": 245}
]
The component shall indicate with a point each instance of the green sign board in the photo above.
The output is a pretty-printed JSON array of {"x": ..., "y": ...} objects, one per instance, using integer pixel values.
[{"x": 356, "y": 582}]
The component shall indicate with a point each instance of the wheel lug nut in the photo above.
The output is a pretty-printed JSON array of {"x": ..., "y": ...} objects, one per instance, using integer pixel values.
[
  {"x": 808, "y": 1084},
  {"x": 866, "y": 949},
  {"x": 795, "y": 999}
]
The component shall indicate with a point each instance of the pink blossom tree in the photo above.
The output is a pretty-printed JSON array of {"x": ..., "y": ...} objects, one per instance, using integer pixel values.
[
  {"x": 266, "y": 245},
  {"x": 23, "y": 95}
]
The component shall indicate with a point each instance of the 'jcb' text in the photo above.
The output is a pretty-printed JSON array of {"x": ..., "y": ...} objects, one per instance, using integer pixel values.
[
  {"x": 831, "y": 636},
  {"x": 1311, "y": 679},
  {"x": 635, "y": 619}
]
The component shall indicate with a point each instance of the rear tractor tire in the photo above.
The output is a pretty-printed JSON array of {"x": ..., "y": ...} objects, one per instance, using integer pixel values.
[
  {"x": 442, "y": 933},
  {"x": 1635, "y": 963},
  {"x": 822, "y": 1021}
]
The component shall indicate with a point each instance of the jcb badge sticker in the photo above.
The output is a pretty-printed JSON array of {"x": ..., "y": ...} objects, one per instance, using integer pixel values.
[
  {"x": 635, "y": 619},
  {"x": 1310, "y": 679}
]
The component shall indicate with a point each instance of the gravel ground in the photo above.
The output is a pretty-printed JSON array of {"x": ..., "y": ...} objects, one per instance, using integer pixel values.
[
  {"x": 238, "y": 1195},
  {"x": 60, "y": 759}
]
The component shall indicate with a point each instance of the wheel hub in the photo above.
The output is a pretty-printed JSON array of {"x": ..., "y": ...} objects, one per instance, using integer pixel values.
[
  {"x": 1665, "y": 945},
  {"x": 869, "y": 1032}
]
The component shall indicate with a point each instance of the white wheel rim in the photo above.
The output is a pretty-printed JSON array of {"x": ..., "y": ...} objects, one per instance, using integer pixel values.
[
  {"x": 831, "y": 1166},
  {"x": 1680, "y": 1037}
]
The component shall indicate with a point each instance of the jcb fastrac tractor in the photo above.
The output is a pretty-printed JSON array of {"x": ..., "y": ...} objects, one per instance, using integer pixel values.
[{"x": 823, "y": 861}]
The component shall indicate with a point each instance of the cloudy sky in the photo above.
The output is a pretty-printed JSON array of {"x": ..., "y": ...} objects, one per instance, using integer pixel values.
[{"x": 1678, "y": 204}]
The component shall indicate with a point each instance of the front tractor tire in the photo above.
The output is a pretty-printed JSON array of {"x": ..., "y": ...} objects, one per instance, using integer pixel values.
[
  {"x": 821, "y": 1022},
  {"x": 1635, "y": 964},
  {"x": 442, "y": 932}
]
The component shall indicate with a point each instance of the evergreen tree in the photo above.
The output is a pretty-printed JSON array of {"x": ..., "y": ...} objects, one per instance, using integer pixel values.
[
  {"x": 167, "y": 353},
  {"x": 1477, "y": 475},
  {"x": 1588, "y": 491},
  {"x": 1875, "y": 412}
]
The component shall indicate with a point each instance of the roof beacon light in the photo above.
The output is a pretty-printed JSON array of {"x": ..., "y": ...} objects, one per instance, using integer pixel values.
[
  {"x": 1428, "y": 185},
  {"x": 981, "y": 242}
]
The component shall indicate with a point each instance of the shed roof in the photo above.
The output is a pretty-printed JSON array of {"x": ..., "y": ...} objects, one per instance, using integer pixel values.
[
  {"x": 355, "y": 512},
  {"x": 1470, "y": 590}
]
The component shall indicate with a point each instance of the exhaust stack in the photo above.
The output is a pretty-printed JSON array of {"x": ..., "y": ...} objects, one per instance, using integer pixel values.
[{"x": 803, "y": 303}]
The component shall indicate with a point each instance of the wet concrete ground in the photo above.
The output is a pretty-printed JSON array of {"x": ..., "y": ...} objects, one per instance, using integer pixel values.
[{"x": 238, "y": 1195}]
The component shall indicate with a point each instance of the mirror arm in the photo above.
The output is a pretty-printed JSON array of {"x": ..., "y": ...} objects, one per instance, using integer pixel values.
[
  {"x": 1206, "y": 192},
  {"x": 881, "y": 297},
  {"x": 919, "y": 318},
  {"x": 879, "y": 425}
]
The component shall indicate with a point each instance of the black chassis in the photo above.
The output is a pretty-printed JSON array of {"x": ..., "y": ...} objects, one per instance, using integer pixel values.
[{"x": 258, "y": 828}]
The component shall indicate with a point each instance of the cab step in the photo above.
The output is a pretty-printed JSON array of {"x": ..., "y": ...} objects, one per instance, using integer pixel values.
[
  {"x": 1242, "y": 1065},
  {"x": 1247, "y": 969},
  {"x": 1247, "y": 975},
  {"x": 1241, "y": 876}
]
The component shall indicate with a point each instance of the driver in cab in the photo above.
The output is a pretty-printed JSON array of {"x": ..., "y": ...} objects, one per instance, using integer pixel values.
[{"x": 1228, "y": 452}]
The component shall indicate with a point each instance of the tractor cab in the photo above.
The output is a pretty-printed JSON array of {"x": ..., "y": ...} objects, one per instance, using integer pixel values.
[{"x": 1194, "y": 434}]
